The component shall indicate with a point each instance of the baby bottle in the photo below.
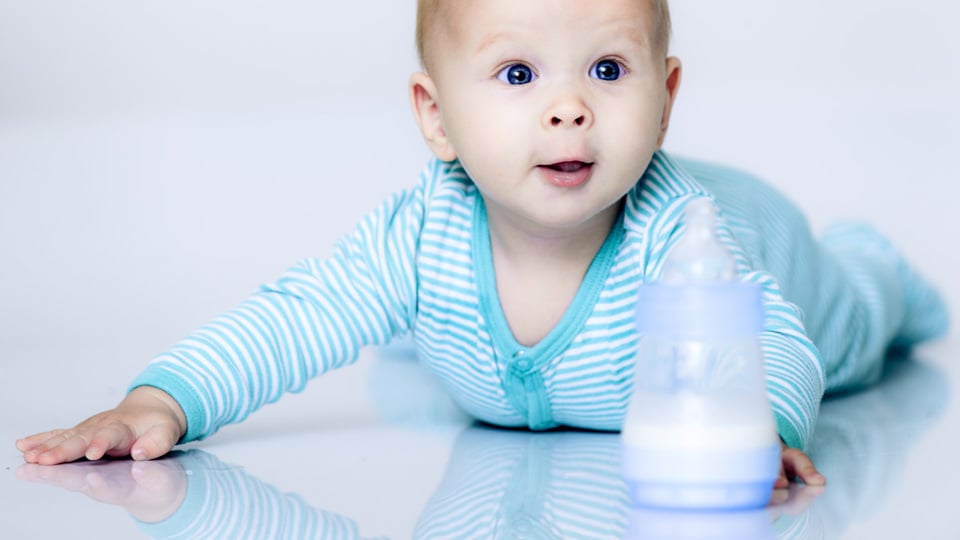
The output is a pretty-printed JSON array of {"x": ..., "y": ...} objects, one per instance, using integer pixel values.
[{"x": 699, "y": 433}]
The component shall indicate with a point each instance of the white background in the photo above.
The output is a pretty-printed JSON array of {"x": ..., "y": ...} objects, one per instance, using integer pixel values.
[{"x": 158, "y": 160}]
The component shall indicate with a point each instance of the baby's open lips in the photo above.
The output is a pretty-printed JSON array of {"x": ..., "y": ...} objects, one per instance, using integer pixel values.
[
  {"x": 567, "y": 166},
  {"x": 567, "y": 173}
]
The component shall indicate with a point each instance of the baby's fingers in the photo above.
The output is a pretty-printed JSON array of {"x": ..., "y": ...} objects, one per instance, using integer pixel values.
[
  {"x": 797, "y": 464},
  {"x": 29, "y": 443},
  {"x": 60, "y": 448}
]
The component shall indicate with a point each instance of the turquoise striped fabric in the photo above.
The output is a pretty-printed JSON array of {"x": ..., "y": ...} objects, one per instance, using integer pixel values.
[{"x": 422, "y": 262}]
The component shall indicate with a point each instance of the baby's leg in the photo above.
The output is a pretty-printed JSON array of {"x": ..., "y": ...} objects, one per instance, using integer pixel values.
[
  {"x": 877, "y": 301},
  {"x": 857, "y": 293}
]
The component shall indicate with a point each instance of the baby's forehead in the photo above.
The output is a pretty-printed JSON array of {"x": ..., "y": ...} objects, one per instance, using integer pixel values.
[
  {"x": 465, "y": 12},
  {"x": 440, "y": 22}
]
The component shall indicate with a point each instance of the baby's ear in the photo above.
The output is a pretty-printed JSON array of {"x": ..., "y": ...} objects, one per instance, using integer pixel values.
[
  {"x": 672, "y": 79},
  {"x": 426, "y": 110}
]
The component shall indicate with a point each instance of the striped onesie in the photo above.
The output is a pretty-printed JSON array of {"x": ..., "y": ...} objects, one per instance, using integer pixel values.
[{"x": 421, "y": 262}]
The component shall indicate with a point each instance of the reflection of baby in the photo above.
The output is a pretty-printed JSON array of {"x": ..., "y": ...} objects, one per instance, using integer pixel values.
[
  {"x": 514, "y": 484},
  {"x": 564, "y": 484},
  {"x": 499, "y": 484},
  {"x": 192, "y": 494}
]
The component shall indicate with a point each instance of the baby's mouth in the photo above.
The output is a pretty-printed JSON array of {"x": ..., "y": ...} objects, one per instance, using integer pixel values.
[
  {"x": 567, "y": 174},
  {"x": 568, "y": 166}
]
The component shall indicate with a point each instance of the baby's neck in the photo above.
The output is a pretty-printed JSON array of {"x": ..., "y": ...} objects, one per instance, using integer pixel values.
[
  {"x": 537, "y": 245},
  {"x": 538, "y": 274}
]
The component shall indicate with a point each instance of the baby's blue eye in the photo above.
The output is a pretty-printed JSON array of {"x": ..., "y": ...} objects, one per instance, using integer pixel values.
[
  {"x": 517, "y": 74},
  {"x": 606, "y": 70}
]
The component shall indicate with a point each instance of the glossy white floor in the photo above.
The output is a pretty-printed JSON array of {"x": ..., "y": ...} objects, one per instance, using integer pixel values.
[
  {"x": 390, "y": 457},
  {"x": 147, "y": 183}
]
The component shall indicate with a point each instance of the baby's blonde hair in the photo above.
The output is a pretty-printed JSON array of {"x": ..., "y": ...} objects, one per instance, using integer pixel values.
[{"x": 428, "y": 11}]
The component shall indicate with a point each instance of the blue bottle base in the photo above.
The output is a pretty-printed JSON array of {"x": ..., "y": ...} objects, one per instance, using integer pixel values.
[
  {"x": 701, "y": 496},
  {"x": 706, "y": 479}
]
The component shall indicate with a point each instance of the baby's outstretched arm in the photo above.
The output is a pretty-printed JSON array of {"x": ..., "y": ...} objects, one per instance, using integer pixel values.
[
  {"x": 145, "y": 425},
  {"x": 796, "y": 464}
]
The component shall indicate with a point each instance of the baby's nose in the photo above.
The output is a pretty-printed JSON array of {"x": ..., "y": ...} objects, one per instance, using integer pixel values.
[
  {"x": 558, "y": 121},
  {"x": 568, "y": 111}
]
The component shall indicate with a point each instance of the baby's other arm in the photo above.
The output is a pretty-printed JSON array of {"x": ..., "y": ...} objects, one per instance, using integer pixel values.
[
  {"x": 145, "y": 425},
  {"x": 315, "y": 318}
]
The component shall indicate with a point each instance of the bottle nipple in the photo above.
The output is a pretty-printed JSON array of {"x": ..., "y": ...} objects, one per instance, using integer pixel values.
[{"x": 699, "y": 256}]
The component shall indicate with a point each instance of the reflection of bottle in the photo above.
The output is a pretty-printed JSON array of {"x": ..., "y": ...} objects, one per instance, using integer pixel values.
[
  {"x": 657, "y": 524},
  {"x": 699, "y": 432}
]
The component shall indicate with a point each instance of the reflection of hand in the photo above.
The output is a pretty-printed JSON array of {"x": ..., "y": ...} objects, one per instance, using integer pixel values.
[
  {"x": 793, "y": 501},
  {"x": 794, "y": 513},
  {"x": 150, "y": 491}
]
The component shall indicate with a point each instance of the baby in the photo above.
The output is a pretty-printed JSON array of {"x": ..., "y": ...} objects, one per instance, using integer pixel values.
[{"x": 516, "y": 258}]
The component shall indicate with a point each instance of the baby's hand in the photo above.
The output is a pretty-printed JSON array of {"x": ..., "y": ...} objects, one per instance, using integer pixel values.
[
  {"x": 797, "y": 465},
  {"x": 145, "y": 425}
]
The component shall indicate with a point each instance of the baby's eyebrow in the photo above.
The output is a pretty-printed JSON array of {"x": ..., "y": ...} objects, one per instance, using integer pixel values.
[
  {"x": 632, "y": 32},
  {"x": 490, "y": 39}
]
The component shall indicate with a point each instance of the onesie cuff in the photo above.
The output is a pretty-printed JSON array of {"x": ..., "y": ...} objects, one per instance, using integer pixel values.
[{"x": 183, "y": 393}]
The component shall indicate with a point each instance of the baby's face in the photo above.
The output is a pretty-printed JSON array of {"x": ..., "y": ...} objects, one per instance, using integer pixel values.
[{"x": 554, "y": 107}]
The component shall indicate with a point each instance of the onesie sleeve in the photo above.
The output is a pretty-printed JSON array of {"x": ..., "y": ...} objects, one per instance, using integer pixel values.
[
  {"x": 794, "y": 369},
  {"x": 316, "y": 317}
]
